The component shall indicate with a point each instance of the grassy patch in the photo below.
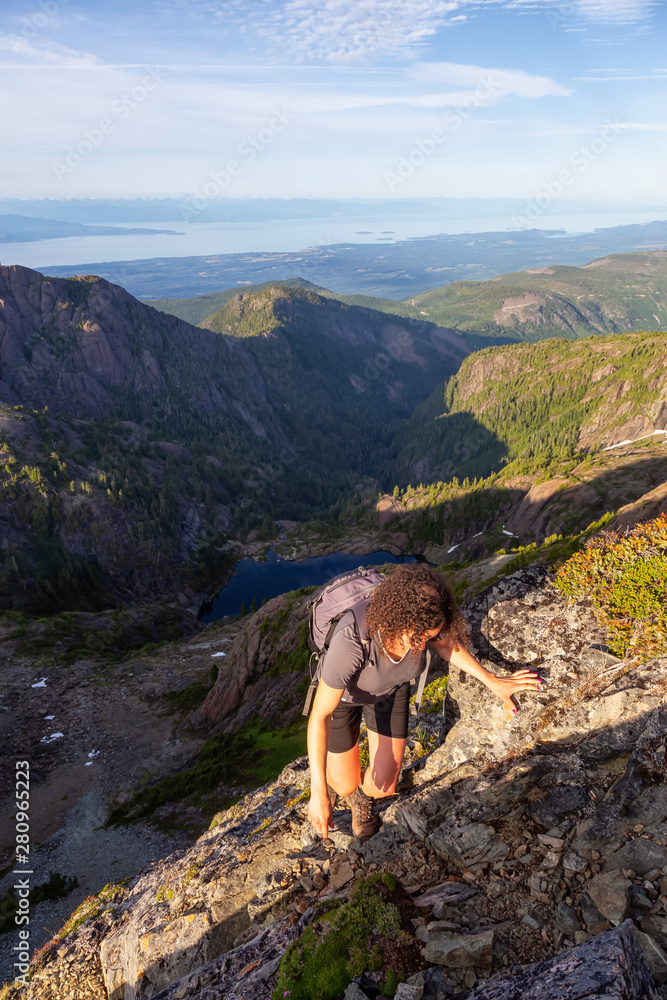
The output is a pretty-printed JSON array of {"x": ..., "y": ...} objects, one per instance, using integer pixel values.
[
  {"x": 625, "y": 575},
  {"x": 367, "y": 932},
  {"x": 434, "y": 696},
  {"x": 191, "y": 697},
  {"x": 112, "y": 635},
  {"x": 250, "y": 757}
]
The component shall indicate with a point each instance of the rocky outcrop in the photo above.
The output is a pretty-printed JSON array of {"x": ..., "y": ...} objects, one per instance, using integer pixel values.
[
  {"x": 535, "y": 850},
  {"x": 649, "y": 506},
  {"x": 611, "y": 962},
  {"x": 260, "y": 673}
]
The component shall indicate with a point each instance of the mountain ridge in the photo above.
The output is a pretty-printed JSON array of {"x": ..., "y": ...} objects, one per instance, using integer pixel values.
[{"x": 178, "y": 436}]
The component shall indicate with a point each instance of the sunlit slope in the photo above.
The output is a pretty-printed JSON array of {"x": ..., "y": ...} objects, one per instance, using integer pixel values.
[
  {"x": 530, "y": 403},
  {"x": 614, "y": 294},
  {"x": 198, "y": 309}
]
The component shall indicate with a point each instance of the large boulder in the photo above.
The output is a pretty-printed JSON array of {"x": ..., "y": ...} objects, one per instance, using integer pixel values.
[{"x": 611, "y": 964}]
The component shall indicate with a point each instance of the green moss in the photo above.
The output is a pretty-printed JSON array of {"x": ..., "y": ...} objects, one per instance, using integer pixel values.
[
  {"x": 191, "y": 873},
  {"x": 391, "y": 982},
  {"x": 349, "y": 938},
  {"x": 111, "y": 635},
  {"x": 294, "y": 661},
  {"x": 92, "y": 906}
]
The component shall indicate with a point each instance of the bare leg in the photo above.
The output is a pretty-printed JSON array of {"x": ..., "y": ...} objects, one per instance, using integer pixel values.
[
  {"x": 386, "y": 758},
  {"x": 344, "y": 771}
]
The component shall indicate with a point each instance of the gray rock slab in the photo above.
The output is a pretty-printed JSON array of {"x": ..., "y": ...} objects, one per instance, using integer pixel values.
[
  {"x": 460, "y": 951},
  {"x": 355, "y": 992},
  {"x": 573, "y": 862},
  {"x": 240, "y": 973},
  {"x": 557, "y": 803},
  {"x": 610, "y": 891},
  {"x": 409, "y": 991},
  {"x": 656, "y": 926},
  {"x": 639, "y": 901},
  {"x": 468, "y": 844},
  {"x": 656, "y": 959},
  {"x": 450, "y": 893},
  {"x": 566, "y": 920},
  {"x": 640, "y": 855},
  {"x": 610, "y": 965},
  {"x": 594, "y": 920},
  {"x": 434, "y": 983}
]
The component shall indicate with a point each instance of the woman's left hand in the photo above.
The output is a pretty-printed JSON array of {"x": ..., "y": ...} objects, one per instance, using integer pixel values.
[{"x": 505, "y": 687}]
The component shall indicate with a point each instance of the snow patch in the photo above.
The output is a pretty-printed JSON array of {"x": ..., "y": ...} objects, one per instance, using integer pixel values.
[
  {"x": 620, "y": 444},
  {"x": 40, "y": 684},
  {"x": 510, "y": 533},
  {"x": 51, "y": 738},
  {"x": 48, "y": 718},
  {"x": 218, "y": 654},
  {"x": 453, "y": 547}
]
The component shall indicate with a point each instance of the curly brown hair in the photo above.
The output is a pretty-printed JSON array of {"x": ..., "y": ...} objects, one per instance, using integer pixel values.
[{"x": 414, "y": 600}]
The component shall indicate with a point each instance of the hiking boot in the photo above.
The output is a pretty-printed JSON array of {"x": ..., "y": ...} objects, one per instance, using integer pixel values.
[{"x": 364, "y": 821}]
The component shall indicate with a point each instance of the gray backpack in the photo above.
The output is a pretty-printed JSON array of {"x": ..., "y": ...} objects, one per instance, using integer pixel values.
[{"x": 350, "y": 591}]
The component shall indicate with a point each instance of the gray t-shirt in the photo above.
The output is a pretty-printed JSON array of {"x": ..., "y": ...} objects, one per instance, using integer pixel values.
[{"x": 343, "y": 667}]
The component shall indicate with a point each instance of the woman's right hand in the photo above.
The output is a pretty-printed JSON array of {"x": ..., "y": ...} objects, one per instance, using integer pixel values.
[{"x": 320, "y": 814}]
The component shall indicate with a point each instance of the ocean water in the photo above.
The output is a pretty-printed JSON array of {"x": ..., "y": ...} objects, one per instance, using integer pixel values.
[{"x": 193, "y": 239}]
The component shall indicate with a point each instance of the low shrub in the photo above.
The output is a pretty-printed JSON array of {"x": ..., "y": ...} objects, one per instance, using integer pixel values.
[{"x": 625, "y": 576}]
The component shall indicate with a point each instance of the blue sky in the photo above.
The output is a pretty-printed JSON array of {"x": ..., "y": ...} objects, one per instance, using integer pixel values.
[{"x": 335, "y": 98}]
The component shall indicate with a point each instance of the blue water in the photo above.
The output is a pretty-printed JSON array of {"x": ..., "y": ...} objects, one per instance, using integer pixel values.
[{"x": 276, "y": 576}]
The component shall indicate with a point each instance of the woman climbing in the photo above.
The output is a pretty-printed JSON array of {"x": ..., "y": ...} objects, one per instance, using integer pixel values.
[{"x": 409, "y": 610}]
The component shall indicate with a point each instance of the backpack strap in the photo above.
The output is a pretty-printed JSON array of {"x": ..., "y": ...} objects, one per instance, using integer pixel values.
[
  {"x": 414, "y": 709},
  {"x": 359, "y": 615}
]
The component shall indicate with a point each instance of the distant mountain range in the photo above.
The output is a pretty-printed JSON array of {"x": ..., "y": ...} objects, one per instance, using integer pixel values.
[
  {"x": 27, "y": 229},
  {"x": 123, "y": 210}
]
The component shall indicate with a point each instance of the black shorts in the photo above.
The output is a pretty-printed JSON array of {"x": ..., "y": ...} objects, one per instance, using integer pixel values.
[{"x": 388, "y": 717}]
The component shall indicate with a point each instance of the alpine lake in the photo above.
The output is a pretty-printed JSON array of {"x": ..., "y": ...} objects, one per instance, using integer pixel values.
[{"x": 262, "y": 580}]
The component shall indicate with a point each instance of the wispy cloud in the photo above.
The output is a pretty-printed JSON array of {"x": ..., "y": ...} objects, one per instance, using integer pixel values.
[
  {"x": 46, "y": 54},
  {"x": 617, "y": 11},
  {"x": 605, "y": 11},
  {"x": 505, "y": 82}
]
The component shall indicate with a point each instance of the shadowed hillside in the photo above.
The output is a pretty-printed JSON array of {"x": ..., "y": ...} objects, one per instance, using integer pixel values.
[{"x": 135, "y": 445}]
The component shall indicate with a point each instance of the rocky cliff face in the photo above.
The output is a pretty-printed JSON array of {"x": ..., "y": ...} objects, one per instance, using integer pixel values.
[
  {"x": 264, "y": 667},
  {"x": 530, "y": 403},
  {"x": 538, "y": 840}
]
